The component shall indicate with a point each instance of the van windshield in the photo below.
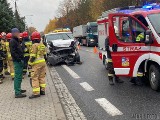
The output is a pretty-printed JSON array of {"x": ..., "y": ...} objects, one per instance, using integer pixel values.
[
  {"x": 155, "y": 21},
  {"x": 59, "y": 36}
]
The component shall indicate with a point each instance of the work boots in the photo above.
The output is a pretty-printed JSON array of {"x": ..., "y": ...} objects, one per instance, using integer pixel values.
[
  {"x": 137, "y": 81},
  {"x": 118, "y": 80},
  {"x": 29, "y": 75},
  {"x": 111, "y": 81},
  {"x": 79, "y": 63},
  {"x": 7, "y": 73},
  {"x": 23, "y": 91},
  {"x": 42, "y": 93},
  {"x": 24, "y": 73},
  {"x": 133, "y": 80},
  {"x": 3, "y": 77},
  {"x": 1, "y": 81},
  {"x": 20, "y": 96}
]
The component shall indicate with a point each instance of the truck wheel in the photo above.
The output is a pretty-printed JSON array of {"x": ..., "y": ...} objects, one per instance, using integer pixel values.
[
  {"x": 154, "y": 77},
  {"x": 105, "y": 62}
]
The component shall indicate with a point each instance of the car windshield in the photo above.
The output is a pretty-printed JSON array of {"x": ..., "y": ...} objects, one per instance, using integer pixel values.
[
  {"x": 63, "y": 36},
  {"x": 155, "y": 20},
  {"x": 94, "y": 29}
]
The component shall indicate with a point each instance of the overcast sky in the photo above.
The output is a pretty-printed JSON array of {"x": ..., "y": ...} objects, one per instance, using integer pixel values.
[{"x": 42, "y": 11}]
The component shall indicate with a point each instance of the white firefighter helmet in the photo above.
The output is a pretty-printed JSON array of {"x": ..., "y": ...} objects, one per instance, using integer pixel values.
[{"x": 3, "y": 34}]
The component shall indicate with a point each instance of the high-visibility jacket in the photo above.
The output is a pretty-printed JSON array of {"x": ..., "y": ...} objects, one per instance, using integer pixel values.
[
  {"x": 3, "y": 43},
  {"x": 9, "y": 57},
  {"x": 1, "y": 52},
  {"x": 27, "y": 48},
  {"x": 38, "y": 51},
  {"x": 140, "y": 37}
]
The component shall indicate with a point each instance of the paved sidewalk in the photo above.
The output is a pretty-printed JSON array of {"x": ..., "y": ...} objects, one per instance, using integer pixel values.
[{"x": 47, "y": 107}]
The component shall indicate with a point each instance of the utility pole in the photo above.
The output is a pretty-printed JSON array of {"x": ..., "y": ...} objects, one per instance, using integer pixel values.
[
  {"x": 16, "y": 13},
  {"x": 26, "y": 26}
]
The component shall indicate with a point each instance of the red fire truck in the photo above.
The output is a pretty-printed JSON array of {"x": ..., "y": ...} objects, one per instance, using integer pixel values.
[{"x": 123, "y": 25}]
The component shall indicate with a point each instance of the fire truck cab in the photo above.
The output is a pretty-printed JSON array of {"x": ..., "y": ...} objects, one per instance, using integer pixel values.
[{"x": 123, "y": 26}]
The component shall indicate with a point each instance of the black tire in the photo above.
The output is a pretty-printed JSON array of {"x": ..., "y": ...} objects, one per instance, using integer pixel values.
[
  {"x": 105, "y": 62},
  {"x": 154, "y": 77}
]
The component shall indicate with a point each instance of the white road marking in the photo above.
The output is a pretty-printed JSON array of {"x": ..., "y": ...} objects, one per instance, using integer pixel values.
[
  {"x": 86, "y": 86},
  {"x": 71, "y": 72},
  {"x": 108, "y": 107}
]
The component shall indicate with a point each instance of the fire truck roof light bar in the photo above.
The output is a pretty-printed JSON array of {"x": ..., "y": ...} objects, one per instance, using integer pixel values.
[
  {"x": 151, "y": 6},
  {"x": 130, "y": 9}
]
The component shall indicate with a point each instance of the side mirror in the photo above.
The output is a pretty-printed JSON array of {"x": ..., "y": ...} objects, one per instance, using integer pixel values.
[{"x": 148, "y": 37}]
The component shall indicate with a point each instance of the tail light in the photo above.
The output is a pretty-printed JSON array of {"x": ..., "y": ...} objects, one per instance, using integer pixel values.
[{"x": 100, "y": 55}]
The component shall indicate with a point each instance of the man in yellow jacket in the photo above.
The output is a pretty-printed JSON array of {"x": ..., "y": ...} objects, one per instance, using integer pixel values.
[
  {"x": 38, "y": 64},
  {"x": 26, "y": 45},
  {"x": 9, "y": 57},
  {"x": 3, "y": 41}
]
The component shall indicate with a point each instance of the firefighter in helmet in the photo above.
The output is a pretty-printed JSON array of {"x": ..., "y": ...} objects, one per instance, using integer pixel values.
[
  {"x": 140, "y": 73},
  {"x": 111, "y": 72},
  {"x": 37, "y": 61},
  {"x": 140, "y": 37},
  {"x": 26, "y": 45},
  {"x": 3, "y": 41},
  {"x": 2, "y": 57},
  {"x": 9, "y": 57}
]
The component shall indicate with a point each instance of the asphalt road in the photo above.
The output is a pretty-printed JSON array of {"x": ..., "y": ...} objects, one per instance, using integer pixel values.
[{"x": 100, "y": 101}]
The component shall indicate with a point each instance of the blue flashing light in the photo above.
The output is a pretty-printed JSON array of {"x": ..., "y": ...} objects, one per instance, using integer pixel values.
[
  {"x": 147, "y": 7},
  {"x": 151, "y": 6}
]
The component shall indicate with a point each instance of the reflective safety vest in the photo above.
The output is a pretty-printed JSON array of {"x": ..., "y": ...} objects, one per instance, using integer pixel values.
[
  {"x": 3, "y": 43},
  {"x": 140, "y": 37},
  {"x": 38, "y": 51},
  {"x": 8, "y": 51},
  {"x": 1, "y": 51},
  {"x": 27, "y": 49}
]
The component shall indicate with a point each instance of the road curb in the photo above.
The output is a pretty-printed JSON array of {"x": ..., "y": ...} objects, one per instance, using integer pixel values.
[
  {"x": 71, "y": 109},
  {"x": 57, "y": 104}
]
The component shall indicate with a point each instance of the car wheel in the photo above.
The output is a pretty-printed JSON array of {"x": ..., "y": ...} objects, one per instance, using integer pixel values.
[{"x": 154, "y": 77}]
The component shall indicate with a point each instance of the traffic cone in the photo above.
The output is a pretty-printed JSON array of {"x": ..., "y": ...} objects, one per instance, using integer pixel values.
[{"x": 95, "y": 51}]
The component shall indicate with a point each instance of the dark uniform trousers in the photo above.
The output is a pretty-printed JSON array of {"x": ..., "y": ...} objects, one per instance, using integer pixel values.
[
  {"x": 1, "y": 61},
  {"x": 111, "y": 71},
  {"x": 25, "y": 68},
  {"x": 1, "y": 69}
]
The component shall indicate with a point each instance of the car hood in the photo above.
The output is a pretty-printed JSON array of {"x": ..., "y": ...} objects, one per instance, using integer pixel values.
[{"x": 62, "y": 43}]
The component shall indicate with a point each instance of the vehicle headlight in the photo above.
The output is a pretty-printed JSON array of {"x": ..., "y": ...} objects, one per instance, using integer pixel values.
[{"x": 91, "y": 40}]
